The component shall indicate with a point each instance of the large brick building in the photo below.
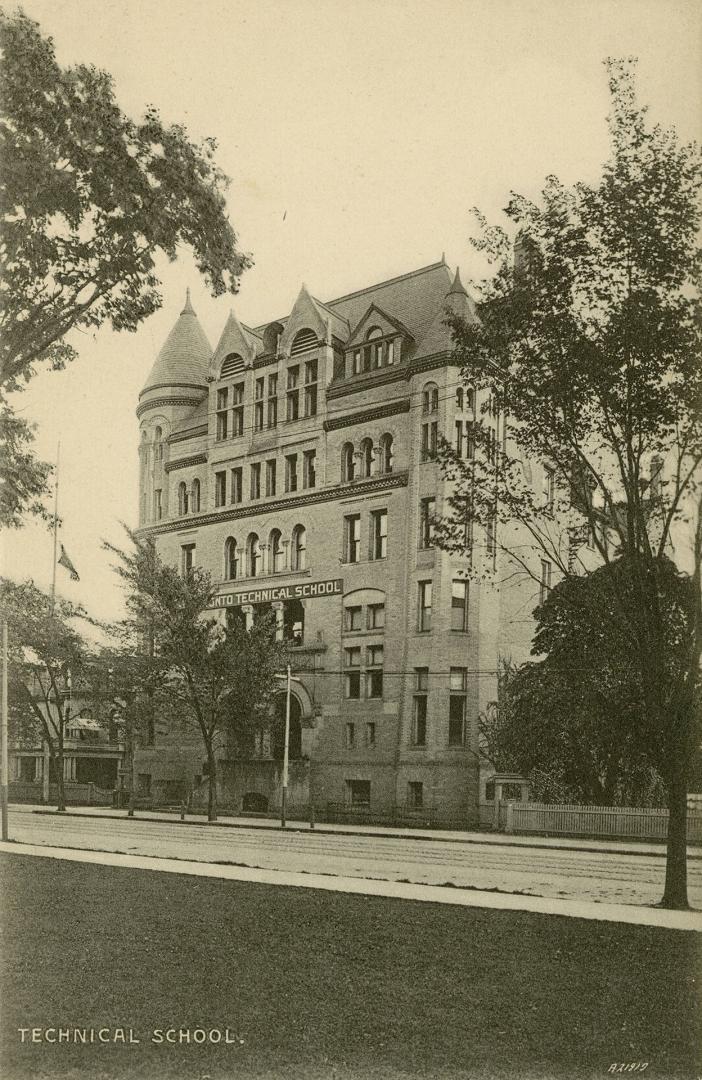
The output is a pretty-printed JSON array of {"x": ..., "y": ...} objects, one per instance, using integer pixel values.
[{"x": 295, "y": 462}]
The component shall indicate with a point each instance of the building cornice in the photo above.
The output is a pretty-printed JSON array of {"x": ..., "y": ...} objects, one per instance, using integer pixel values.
[
  {"x": 157, "y": 403},
  {"x": 402, "y": 372},
  {"x": 366, "y": 415},
  {"x": 308, "y": 498},
  {"x": 175, "y": 386},
  {"x": 182, "y": 463}
]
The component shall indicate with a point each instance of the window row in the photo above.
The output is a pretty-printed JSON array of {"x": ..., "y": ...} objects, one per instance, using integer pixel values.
[
  {"x": 379, "y": 351},
  {"x": 359, "y": 464},
  {"x": 363, "y": 671},
  {"x": 458, "y": 686},
  {"x": 257, "y": 557},
  {"x": 459, "y": 605},
  {"x": 358, "y": 792},
  {"x": 301, "y": 399},
  {"x": 299, "y": 473},
  {"x": 354, "y": 619},
  {"x": 377, "y": 537}
]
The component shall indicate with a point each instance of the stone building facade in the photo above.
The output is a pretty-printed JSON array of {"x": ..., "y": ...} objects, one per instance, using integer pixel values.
[{"x": 296, "y": 463}]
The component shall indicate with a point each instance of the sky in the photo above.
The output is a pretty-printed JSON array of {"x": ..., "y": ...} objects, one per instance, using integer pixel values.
[{"x": 357, "y": 135}]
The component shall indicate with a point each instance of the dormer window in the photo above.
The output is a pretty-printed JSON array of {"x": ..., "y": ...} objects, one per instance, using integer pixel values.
[
  {"x": 379, "y": 351},
  {"x": 231, "y": 365},
  {"x": 303, "y": 341}
]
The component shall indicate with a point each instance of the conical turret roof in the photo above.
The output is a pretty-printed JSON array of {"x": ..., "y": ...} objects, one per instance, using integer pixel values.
[{"x": 184, "y": 357}]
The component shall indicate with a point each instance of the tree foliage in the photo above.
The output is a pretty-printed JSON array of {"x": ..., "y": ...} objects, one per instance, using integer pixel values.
[
  {"x": 88, "y": 199},
  {"x": 576, "y": 719},
  {"x": 47, "y": 656},
  {"x": 221, "y": 683},
  {"x": 591, "y": 339}
]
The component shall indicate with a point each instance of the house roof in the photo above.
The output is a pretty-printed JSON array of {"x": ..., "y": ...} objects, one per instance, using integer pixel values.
[{"x": 185, "y": 355}]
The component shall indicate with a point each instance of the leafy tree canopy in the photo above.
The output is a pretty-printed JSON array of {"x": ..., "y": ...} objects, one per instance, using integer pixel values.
[{"x": 88, "y": 199}]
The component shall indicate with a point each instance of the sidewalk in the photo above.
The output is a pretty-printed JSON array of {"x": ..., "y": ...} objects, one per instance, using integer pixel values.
[{"x": 568, "y": 843}]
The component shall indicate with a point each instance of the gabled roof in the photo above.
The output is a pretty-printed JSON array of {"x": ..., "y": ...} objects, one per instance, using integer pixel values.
[
  {"x": 376, "y": 314},
  {"x": 185, "y": 355},
  {"x": 235, "y": 338},
  {"x": 438, "y": 337},
  {"x": 413, "y": 298}
]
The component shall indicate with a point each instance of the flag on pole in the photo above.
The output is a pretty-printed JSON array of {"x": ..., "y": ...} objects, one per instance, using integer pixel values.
[{"x": 65, "y": 561}]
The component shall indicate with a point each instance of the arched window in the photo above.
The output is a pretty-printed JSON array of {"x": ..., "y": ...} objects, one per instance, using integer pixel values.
[
  {"x": 231, "y": 365},
  {"x": 298, "y": 560},
  {"x": 253, "y": 556},
  {"x": 386, "y": 453},
  {"x": 277, "y": 562},
  {"x": 195, "y": 497},
  {"x": 231, "y": 559},
  {"x": 375, "y": 359},
  {"x": 366, "y": 457},
  {"x": 182, "y": 499},
  {"x": 347, "y": 463},
  {"x": 158, "y": 444},
  {"x": 459, "y": 397},
  {"x": 430, "y": 398},
  {"x": 303, "y": 341},
  {"x": 271, "y": 337}
]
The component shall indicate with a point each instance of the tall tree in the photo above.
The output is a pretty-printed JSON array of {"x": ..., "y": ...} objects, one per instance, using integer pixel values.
[
  {"x": 219, "y": 683},
  {"x": 47, "y": 657},
  {"x": 574, "y": 719},
  {"x": 88, "y": 199},
  {"x": 591, "y": 337}
]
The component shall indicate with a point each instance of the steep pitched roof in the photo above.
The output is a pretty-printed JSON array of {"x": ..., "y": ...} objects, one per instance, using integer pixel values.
[
  {"x": 413, "y": 298},
  {"x": 438, "y": 336},
  {"x": 235, "y": 338},
  {"x": 184, "y": 357}
]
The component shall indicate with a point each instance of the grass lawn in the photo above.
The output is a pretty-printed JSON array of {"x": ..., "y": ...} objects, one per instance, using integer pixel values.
[{"x": 318, "y": 985}]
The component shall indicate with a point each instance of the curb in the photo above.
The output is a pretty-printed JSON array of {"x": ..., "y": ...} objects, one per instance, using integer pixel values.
[{"x": 323, "y": 829}]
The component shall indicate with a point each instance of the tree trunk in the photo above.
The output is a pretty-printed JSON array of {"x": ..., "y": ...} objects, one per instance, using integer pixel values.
[
  {"x": 675, "y": 892},
  {"x": 211, "y": 785},
  {"x": 61, "y": 791},
  {"x": 130, "y": 763}
]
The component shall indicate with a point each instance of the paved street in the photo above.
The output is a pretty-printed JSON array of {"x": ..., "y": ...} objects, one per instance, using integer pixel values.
[{"x": 607, "y": 877}]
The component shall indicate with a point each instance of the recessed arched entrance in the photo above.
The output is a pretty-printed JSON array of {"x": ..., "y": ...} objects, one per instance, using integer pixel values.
[{"x": 278, "y": 731}]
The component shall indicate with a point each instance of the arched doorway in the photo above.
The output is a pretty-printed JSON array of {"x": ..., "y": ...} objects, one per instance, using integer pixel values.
[{"x": 278, "y": 730}]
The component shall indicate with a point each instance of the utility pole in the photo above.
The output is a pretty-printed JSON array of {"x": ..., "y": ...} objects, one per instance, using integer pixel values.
[
  {"x": 286, "y": 752},
  {"x": 4, "y": 778}
]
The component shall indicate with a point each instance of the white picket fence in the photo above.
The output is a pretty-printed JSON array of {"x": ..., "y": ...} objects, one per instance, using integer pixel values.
[{"x": 643, "y": 823}]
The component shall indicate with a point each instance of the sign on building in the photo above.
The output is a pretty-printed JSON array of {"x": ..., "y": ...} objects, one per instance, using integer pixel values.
[{"x": 303, "y": 591}]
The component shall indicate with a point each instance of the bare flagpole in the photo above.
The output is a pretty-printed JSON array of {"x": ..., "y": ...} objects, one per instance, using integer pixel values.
[{"x": 56, "y": 488}]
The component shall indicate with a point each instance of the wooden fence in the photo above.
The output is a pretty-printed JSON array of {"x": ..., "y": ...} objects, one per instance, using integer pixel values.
[
  {"x": 76, "y": 794},
  {"x": 629, "y": 822}
]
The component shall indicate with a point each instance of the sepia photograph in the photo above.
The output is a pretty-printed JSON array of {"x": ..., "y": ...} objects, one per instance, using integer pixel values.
[{"x": 350, "y": 539}]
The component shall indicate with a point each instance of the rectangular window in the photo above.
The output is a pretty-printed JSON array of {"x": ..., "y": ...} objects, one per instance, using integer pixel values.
[
  {"x": 359, "y": 792},
  {"x": 424, "y": 606},
  {"x": 430, "y": 436},
  {"x": 352, "y": 657},
  {"x": 370, "y": 735},
  {"x": 357, "y": 362},
  {"x": 293, "y": 394},
  {"x": 490, "y": 536},
  {"x": 415, "y": 794},
  {"x": 419, "y": 720},
  {"x": 237, "y": 490},
  {"x": 376, "y": 616},
  {"x": 272, "y": 420},
  {"x": 258, "y": 416},
  {"x": 353, "y": 684},
  {"x": 220, "y": 488},
  {"x": 549, "y": 489},
  {"x": 458, "y": 678},
  {"x": 459, "y": 605},
  {"x": 270, "y": 477},
  {"x": 374, "y": 655},
  {"x": 273, "y": 385},
  {"x": 158, "y": 504},
  {"x": 187, "y": 558},
  {"x": 457, "y": 720},
  {"x": 222, "y": 413},
  {"x": 374, "y": 684},
  {"x": 352, "y": 538},
  {"x": 255, "y": 487},
  {"x": 465, "y": 445},
  {"x": 379, "y": 534},
  {"x": 259, "y": 388},
  {"x": 311, "y": 388},
  {"x": 352, "y": 619},
  {"x": 421, "y": 679},
  {"x": 545, "y": 586},
  {"x": 309, "y": 474},
  {"x": 238, "y": 410},
  {"x": 427, "y": 510},
  {"x": 350, "y": 736},
  {"x": 291, "y": 472}
]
